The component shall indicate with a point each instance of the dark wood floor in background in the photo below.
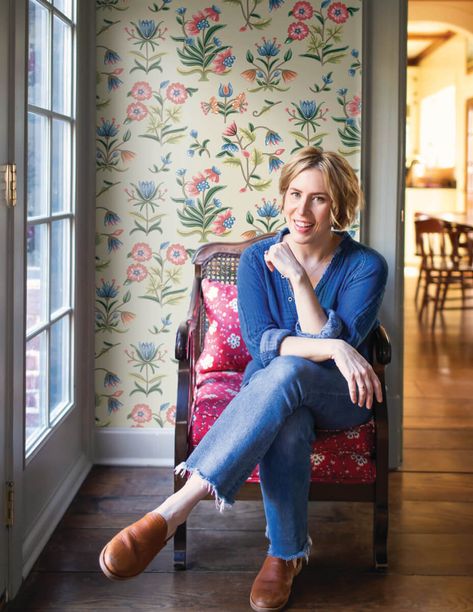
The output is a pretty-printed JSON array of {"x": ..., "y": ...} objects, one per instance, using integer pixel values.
[{"x": 431, "y": 529}]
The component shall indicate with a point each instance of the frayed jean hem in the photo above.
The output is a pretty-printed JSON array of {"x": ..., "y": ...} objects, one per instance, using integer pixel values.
[
  {"x": 221, "y": 503},
  {"x": 303, "y": 554}
]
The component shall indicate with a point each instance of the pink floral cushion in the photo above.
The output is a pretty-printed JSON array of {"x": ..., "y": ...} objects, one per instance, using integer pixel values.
[
  {"x": 224, "y": 348},
  {"x": 338, "y": 456}
]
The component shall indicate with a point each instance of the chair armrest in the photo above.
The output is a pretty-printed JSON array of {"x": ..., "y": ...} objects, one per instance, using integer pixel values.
[
  {"x": 382, "y": 346},
  {"x": 187, "y": 340}
]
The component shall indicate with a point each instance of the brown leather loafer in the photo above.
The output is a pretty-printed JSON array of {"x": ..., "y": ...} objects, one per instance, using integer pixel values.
[
  {"x": 272, "y": 586},
  {"x": 133, "y": 548}
]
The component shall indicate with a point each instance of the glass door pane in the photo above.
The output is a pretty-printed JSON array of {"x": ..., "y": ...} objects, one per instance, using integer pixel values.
[
  {"x": 61, "y": 166},
  {"x": 38, "y": 165},
  {"x": 62, "y": 66},
  {"x": 36, "y": 387},
  {"x": 50, "y": 217},
  {"x": 59, "y": 367},
  {"x": 38, "y": 56},
  {"x": 37, "y": 276}
]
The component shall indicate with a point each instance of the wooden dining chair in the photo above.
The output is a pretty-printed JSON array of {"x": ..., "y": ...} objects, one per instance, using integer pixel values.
[{"x": 442, "y": 264}]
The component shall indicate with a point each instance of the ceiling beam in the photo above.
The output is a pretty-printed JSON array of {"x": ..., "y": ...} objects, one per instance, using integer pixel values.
[{"x": 437, "y": 41}]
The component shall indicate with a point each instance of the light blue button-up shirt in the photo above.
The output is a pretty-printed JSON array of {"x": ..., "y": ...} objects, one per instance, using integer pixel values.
[{"x": 350, "y": 291}]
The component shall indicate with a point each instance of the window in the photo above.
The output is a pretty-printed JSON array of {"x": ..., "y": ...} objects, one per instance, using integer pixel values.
[{"x": 50, "y": 216}]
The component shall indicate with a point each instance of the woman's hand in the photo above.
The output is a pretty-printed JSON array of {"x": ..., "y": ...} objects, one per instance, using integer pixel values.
[
  {"x": 363, "y": 383},
  {"x": 280, "y": 257}
]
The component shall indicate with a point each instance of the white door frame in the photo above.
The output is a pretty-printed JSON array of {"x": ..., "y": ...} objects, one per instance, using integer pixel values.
[
  {"x": 383, "y": 164},
  {"x": 6, "y": 214},
  {"x": 27, "y": 540}
]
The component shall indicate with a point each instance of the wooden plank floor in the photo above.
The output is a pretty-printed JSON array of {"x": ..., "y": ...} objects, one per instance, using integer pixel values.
[{"x": 431, "y": 520}]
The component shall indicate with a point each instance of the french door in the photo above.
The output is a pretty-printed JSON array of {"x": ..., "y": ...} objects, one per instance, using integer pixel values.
[
  {"x": 45, "y": 413},
  {"x": 4, "y": 232}
]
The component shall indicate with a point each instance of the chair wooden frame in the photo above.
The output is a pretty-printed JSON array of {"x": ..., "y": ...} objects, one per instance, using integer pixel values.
[
  {"x": 440, "y": 245},
  {"x": 219, "y": 261}
]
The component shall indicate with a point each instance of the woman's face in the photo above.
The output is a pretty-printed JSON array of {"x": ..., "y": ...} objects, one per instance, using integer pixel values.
[{"x": 307, "y": 207}]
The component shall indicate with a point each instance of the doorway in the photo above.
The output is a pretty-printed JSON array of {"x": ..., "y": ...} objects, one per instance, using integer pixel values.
[{"x": 438, "y": 358}]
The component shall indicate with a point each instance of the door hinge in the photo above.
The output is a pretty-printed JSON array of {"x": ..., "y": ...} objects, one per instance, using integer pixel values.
[
  {"x": 9, "y": 179},
  {"x": 10, "y": 503}
]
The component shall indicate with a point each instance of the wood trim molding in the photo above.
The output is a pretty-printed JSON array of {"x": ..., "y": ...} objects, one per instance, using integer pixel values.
[
  {"x": 383, "y": 169},
  {"x": 134, "y": 447}
]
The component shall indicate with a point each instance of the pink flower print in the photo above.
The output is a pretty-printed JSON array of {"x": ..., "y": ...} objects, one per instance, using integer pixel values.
[
  {"x": 171, "y": 415},
  {"x": 141, "y": 252},
  {"x": 233, "y": 341},
  {"x": 297, "y": 31},
  {"x": 198, "y": 184},
  {"x": 177, "y": 254},
  {"x": 338, "y": 12},
  {"x": 212, "y": 293},
  {"x": 302, "y": 10},
  {"x": 141, "y": 413},
  {"x": 231, "y": 130},
  {"x": 233, "y": 305},
  {"x": 354, "y": 106},
  {"x": 177, "y": 93},
  {"x": 213, "y": 174},
  {"x": 224, "y": 61},
  {"x": 213, "y": 12},
  {"x": 198, "y": 23},
  {"x": 136, "y": 111},
  {"x": 136, "y": 272},
  {"x": 207, "y": 362},
  {"x": 141, "y": 91},
  {"x": 223, "y": 223}
]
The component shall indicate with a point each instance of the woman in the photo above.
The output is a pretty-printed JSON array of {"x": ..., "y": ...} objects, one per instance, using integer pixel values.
[{"x": 307, "y": 300}]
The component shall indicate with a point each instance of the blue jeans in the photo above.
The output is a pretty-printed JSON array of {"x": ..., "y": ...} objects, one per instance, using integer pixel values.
[{"x": 272, "y": 422}]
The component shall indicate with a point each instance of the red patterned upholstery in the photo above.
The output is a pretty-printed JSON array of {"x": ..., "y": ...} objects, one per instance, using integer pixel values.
[
  {"x": 338, "y": 456},
  {"x": 224, "y": 348}
]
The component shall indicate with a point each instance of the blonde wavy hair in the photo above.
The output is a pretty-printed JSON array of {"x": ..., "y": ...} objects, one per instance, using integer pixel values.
[{"x": 341, "y": 182}]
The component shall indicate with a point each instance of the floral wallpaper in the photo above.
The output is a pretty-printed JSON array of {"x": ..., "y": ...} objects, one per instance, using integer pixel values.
[{"x": 198, "y": 107}]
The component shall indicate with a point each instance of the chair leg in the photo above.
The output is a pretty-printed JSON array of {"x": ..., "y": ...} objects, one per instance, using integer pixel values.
[
  {"x": 380, "y": 536},
  {"x": 425, "y": 294},
  {"x": 437, "y": 300},
  {"x": 180, "y": 539},
  {"x": 419, "y": 282},
  {"x": 444, "y": 292}
]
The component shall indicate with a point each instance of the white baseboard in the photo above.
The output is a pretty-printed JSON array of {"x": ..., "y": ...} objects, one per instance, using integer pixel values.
[
  {"x": 134, "y": 447},
  {"x": 48, "y": 520}
]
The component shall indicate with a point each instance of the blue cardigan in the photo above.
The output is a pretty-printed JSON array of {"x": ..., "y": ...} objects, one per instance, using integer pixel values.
[{"x": 350, "y": 291}]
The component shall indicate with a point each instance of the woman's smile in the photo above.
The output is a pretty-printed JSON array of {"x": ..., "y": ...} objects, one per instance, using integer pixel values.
[{"x": 307, "y": 206}]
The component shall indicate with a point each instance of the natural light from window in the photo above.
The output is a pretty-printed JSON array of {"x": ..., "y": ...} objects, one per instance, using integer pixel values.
[{"x": 437, "y": 129}]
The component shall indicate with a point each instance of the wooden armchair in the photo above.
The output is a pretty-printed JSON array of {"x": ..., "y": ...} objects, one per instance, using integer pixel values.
[{"x": 346, "y": 466}]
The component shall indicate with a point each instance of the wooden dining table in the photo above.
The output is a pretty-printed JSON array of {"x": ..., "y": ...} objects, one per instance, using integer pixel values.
[{"x": 460, "y": 228}]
